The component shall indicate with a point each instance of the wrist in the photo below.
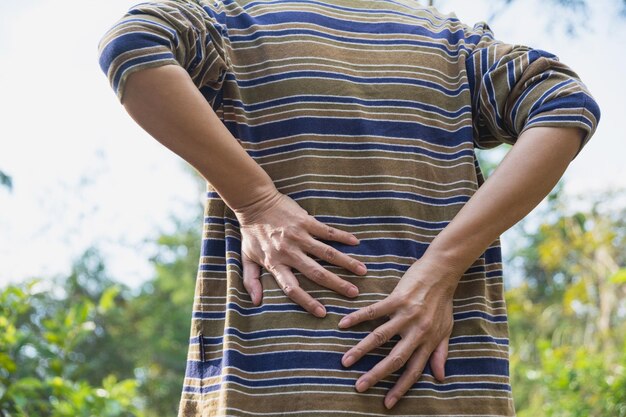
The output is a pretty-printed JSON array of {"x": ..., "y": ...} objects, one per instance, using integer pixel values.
[
  {"x": 439, "y": 271},
  {"x": 264, "y": 198}
]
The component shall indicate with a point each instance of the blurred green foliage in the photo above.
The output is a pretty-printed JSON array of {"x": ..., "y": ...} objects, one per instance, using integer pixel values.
[
  {"x": 6, "y": 181},
  {"x": 85, "y": 345},
  {"x": 568, "y": 350},
  {"x": 39, "y": 365}
]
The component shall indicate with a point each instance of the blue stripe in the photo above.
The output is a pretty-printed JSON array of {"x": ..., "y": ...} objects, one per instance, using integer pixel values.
[
  {"x": 539, "y": 102},
  {"x": 304, "y": 125},
  {"x": 370, "y": 195},
  {"x": 571, "y": 101},
  {"x": 129, "y": 42},
  {"x": 338, "y": 146},
  {"x": 213, "y": 247},
  {"x": 367, "y": 247},
  {"x": 331, "y": 361},
  {"x": 131, "y": 62}
]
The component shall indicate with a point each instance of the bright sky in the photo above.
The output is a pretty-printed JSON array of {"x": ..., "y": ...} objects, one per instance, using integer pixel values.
[{"x": 85, "y": 174}]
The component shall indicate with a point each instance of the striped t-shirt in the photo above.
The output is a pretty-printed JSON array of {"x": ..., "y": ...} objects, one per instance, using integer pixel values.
[{"x": 367, "y": 113}]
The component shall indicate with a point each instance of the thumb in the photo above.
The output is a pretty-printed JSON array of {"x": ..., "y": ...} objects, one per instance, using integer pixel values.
[
  {"x": 438, "y": 359},
  {"x": 251, "y": 281}
]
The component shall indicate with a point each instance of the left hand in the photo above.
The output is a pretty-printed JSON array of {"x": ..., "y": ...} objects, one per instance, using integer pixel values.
[{"x": 420, "y": 311}]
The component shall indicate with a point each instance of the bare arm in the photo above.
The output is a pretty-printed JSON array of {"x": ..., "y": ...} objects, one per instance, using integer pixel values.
[
  {"x": 166, "y": 103},
  {"x": 420, "y": 306},
  {"x": 166, "y": 61},
  {"x": 525, "y": 176}
]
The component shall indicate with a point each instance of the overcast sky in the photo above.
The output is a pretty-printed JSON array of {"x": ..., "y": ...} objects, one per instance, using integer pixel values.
[{"x": 60, "y": 125}]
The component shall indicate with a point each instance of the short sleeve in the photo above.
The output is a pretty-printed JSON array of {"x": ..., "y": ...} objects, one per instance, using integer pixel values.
[
  {"x": 180, "y": 32},
  {"x": 516, "y": 87}
]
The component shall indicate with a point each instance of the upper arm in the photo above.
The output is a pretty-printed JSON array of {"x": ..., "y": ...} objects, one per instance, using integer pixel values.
[
  {"x": 516, "y": 87},
  {"x": 165, "y": 32}
]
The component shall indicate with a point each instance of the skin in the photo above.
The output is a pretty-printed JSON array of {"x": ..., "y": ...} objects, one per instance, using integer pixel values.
[{"x": 278, "y": 234}]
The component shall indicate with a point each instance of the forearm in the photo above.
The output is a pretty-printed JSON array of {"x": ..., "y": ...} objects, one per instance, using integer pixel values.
[
  {"x": 166, "y": 104},
  {"x": 525, "y": 176}
]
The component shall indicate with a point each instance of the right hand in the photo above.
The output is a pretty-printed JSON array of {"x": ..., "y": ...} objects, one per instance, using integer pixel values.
[{"x": 277, "y": 234}]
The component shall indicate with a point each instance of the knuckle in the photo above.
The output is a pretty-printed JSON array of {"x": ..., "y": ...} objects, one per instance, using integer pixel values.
[
  {"x": 397, "y": 362},
  {"x": 412, "y": 309},
  {"x": 370, "y": 312},
  {"x": 330, "y": 232},
  {"x": 330, "y": 254},
  {"x": 414, "y": 374},
  {"x": 288, "y": 290},
  {"x": 303, "y": 221},
  {"x": 270, "y": 265},
  {"x": 281, "y": 246},
  {"x": 318, "y": 275},
  {"x": 293, "y": 232},
  {"x": 380, "y": 337},
  {"x": 425, "y": 325}
]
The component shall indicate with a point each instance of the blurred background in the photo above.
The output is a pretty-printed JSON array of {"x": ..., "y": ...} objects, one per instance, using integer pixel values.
[{"x": 100, "y": 226}]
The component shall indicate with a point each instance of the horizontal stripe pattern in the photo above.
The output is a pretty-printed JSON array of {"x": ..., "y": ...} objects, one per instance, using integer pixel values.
[{"x": 368, "y": 115}]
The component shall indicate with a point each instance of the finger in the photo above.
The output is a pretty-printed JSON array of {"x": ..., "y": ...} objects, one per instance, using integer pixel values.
[
  {"x": 316, "y": 273},
  {"x": 396, "y": 359},
  {"x": 412, "y": 373},
  {"x": 378, "y": 337},
  {"x": 324, "y": 231},
  {"x": 251, "y": 281},
  {"x": 379, "y": 309},
  {"x": 438, "y": 359},
  {"x": 290, "y": 286},
  {"x": 334, "y": 256}
]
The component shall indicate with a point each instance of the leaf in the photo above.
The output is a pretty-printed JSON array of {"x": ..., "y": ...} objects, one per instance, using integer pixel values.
[
  {"x": 619, "y": 277},
  {"x": 107, "y": 300}
]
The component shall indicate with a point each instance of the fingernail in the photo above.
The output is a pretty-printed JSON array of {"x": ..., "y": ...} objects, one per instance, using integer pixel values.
[
  {"x": 361, "y": 385},
  {"x": 344, "y": 322},
  {"x": 319, "y": 311},
  {"x": 252, "y": 295},
  {"x": 354, "y": 239},
  {"x": 391, "y": 402},
  {"x": 353, "y": 292},
  {"x": 348, "y": 360},
  {"x": 361, "y": 269}
]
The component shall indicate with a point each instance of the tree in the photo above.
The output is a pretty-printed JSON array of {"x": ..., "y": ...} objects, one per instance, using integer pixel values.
[
  {"x": 38, "y": 363},
  {"x": 6, "y": 181},
  {"x": 568, "y": 353}
]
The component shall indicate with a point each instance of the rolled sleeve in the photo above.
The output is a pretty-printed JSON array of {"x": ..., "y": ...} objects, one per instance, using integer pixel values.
[
  {"x": 516, "y": 87},
  {"x": 166, "y": 32}
]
